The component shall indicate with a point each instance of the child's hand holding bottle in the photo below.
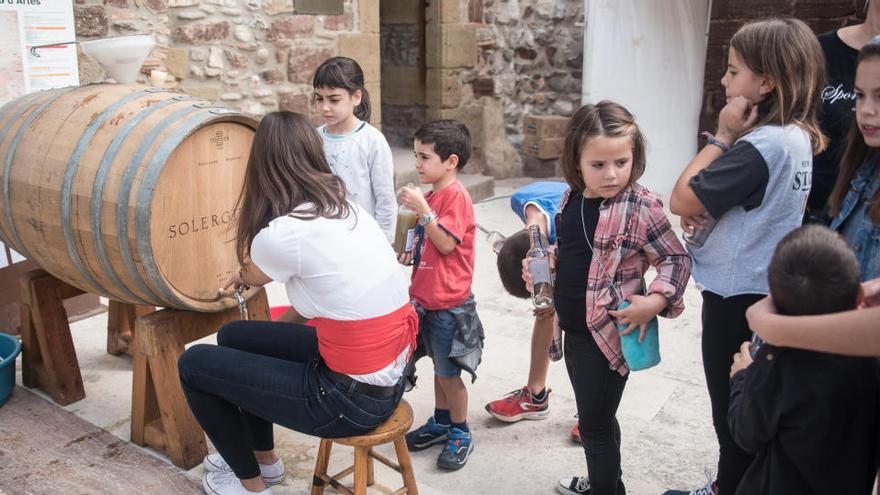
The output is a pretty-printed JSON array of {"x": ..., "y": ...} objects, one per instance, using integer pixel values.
[
  {"x": 742, "y": 359},
  {"x": 640, "y": 311},
  {"x": 527, "y": 275},
  {"x": 413, "y": 198}
]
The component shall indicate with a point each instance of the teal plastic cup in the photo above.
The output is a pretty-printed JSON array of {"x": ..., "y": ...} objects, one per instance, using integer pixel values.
[{"x": 640, "y": 356}]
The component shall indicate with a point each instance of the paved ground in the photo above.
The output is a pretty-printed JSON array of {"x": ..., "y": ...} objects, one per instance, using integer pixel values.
[{"x": 664, "y": 417}]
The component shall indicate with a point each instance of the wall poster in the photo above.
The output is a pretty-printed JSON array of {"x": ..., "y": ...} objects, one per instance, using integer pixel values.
[{"x": 29, "y": 23}]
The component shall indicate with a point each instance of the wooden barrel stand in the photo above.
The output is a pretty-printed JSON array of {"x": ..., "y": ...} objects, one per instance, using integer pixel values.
[
  {"x": 160, "y": 416},
  {"x": 48, "y": 357}
]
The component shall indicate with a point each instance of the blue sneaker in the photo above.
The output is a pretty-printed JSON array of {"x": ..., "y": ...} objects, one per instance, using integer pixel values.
[
  {"x": 457, "y": 450},
  {"x": 427, "y": 435}
]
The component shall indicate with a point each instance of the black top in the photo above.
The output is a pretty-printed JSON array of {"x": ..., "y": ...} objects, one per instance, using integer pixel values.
[
  {"x": 835, "y": 116},
  {"x": 810, "y": 418},
  {"x": 573, "y": 261},
  {"x": 736, "y": 178}
]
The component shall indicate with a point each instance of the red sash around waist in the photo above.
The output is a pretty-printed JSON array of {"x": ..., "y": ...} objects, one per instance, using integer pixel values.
[{"x": 361, "y": 347}]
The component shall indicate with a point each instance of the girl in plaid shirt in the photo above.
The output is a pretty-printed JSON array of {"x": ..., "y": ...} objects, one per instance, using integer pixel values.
[{"x": 609, "y": 230}]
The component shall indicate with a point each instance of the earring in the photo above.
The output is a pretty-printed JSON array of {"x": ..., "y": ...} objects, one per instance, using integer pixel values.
[{"x": 867, "y": 2}]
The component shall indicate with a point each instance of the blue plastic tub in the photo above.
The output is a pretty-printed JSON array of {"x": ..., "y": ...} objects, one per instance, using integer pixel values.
[{"x": 9, "y": 349}]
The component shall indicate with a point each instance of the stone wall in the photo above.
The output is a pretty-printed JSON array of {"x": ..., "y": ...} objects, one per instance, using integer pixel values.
[
  {"x": 530, "y": 57},
  {"x": 402, "y": 39},
  {"x": 728, "y": 16},
  {"x": 254, "y": 55}
]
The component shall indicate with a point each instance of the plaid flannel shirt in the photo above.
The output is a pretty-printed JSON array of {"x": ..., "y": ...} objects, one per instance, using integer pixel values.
[{"x": 633, "y": 232}]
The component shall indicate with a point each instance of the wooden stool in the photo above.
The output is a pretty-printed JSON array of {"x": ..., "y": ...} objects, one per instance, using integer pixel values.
[{"x": 392, "y": 430}]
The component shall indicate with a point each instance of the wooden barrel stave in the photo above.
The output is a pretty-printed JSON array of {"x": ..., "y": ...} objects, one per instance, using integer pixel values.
[
  {"x": 24, "y": 116},
  {"x": 98, "y": 160}
]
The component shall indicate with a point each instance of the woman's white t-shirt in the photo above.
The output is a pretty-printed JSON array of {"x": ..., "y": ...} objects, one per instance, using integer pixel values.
[{"x": 342, "y": 269}]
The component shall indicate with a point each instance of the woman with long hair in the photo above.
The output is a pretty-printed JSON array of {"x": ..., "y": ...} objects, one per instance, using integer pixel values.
[
  {"x": 837, "y": 106},
  {"x": 338, "y": 378}
]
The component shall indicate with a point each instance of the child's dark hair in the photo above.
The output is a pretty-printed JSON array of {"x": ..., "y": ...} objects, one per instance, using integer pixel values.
[
  {"x": 605, "y": 118},
  {"x": 813, "y": 271},
  {"x": 345, "y": 73},
  {"x": 449, "y": 137},
  {"x": 857, "y": 152},
  {"x": 510, "y": 263}
]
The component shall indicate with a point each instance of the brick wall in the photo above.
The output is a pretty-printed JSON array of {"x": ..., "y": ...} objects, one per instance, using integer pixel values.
[{"x": 729, "y": 15}]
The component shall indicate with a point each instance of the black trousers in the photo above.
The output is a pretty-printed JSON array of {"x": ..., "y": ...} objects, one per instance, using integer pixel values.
[
  {"x": 724, "y": 329},
  {"x": 597, "y": 392}
]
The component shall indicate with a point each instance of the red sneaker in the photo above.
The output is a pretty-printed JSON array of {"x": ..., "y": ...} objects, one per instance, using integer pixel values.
[
  {"x": 576, "y": 433},
  {"x": 519, "y": 405}
]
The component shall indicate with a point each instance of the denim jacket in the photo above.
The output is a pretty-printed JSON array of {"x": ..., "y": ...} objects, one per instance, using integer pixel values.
[
  {"x": 467, "y": 343},
  {"x": 864, "y": 237}
]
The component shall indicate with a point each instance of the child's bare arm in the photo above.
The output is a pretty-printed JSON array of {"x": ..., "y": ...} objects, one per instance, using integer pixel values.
[
  {"x": 413, "y": 198},
  {"x": 735, "y": 118},
  {"x": 852, "y": 333},
  {"x": 534, "y": 216},
  {"x": 442, "y": 240}
]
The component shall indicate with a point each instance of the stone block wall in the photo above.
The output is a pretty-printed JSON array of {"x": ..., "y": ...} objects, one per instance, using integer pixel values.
[
  {"x": 402, "y": 37},
  {"x": 729, "y": 15},
  {"x": 529, "y": 57},
  {"x": 254, "y": 55}
]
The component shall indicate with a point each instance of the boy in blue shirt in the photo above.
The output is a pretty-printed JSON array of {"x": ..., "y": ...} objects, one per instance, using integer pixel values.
[{"x": 535, "y": 204}]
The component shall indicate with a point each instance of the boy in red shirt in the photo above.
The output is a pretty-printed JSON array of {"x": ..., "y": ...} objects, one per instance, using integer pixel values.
[{"x": 443, "y": 269}]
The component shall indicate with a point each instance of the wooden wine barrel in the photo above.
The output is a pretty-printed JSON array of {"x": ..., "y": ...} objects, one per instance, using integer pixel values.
[{"x": 125, "y": 191}]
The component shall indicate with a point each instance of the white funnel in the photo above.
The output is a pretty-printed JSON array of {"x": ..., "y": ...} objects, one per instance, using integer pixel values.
[{"x": 121, "y": 57}]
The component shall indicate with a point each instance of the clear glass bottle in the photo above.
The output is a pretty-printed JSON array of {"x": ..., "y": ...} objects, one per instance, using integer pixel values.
[
  {"x": 700, "y": 235},
  {"x": 539, "y": 267},
  {"x": 403, "y": 234}
]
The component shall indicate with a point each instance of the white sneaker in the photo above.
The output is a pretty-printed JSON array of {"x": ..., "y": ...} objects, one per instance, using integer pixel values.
[
  {"x": 708, "y": 489},
  {"x": 272, "y": 473},
  {"x": 574, "y": 485},
  {"x": 226, "y": 483}
]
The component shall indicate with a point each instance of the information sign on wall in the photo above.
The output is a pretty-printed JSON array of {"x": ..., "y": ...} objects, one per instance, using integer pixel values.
[{"x": 29, "y": 23}]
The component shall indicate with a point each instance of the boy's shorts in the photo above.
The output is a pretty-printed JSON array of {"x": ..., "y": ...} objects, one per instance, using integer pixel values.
[{"x": 439, "y": 327}]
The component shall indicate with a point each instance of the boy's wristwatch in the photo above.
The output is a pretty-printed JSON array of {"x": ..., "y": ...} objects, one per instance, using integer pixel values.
[{"x": 427, "y": 217}]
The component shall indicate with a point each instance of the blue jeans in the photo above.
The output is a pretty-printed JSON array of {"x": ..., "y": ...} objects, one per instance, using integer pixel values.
[
  {"x": 264, "y": 372},
  {"x": 439, "y": 328}
]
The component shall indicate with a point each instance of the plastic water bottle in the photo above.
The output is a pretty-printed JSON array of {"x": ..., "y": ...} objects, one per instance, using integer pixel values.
[
  {"x": 539, "y": 267},
  {"x": 403, "y": 235}
]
